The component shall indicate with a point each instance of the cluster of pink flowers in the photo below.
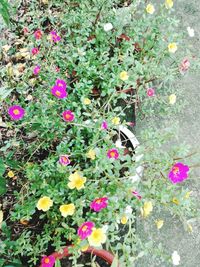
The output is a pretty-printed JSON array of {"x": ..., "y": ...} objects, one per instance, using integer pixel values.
[{"x": 59, "y": 89}]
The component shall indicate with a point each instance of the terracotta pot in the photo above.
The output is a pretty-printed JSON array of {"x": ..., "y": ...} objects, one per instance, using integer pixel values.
[{"x": 101, "y": 253}]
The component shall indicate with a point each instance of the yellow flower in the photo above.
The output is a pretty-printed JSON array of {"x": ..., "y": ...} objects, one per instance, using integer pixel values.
[
  {"x": 159, "y": 223},
  {"x": 124, "y": 220},
  {"x": 187, "y": 195},
  {"x": 76, "y": 181},
  {"x": 172, "y": 47},
  {"x": 150, "y": 9},
  {"x": 84, "y": 248},
  {"x": 169, "y": 4},
  {"x": 175, "y": 201},
  {"x": 172, "y": 99},
  {"x": 116, "y": 120},
  {"x": 123, "y": 75},
  {"x": 44, "y": 203},
  {"x": 11, "y": 174},
  {"x": 147, "y": 209},
  {"x": 91, "y": 154},
  {"x": 97, "y": 237},
  {"x": 189, "y": 227},
  {"x": 86, "y": 101},
  {"x": 67, "y": 209}
]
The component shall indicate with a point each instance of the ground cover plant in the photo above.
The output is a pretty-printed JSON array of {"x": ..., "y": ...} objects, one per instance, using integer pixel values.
[{"x": 71, "y": 73}]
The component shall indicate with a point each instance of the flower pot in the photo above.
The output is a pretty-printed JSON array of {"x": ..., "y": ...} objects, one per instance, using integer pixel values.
[
  {"x": 101, "y": 253},
  {"x": 124, "y": 131}
]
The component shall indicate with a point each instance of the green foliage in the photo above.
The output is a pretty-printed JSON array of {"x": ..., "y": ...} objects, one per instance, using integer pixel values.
[
  {"x": 90, "y": 60},
  {"x": 4, "y": 11}
]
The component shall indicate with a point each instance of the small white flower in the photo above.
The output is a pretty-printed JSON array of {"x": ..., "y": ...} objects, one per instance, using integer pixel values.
[
  {"x": 190, "y": 31},
  {"x": 175, "y": 258},
  {"x": 128, "y": 210},
  {"x": 107, "y": 27}
]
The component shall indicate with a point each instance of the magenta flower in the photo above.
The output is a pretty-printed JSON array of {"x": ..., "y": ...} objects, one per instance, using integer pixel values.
[
  {"x": 150, "y": 92},
  {"x": 64, "y": 160},
  {"x": 35, "y": 51},
  {"x": 59, "y": 92},
  {"x": 85, "y": 230},
  {"x": 48, "y": 261},
  {"x": 137, "y": 195},
  {"x": 16, "y": 112},
  {"x": 185, "y": 64},
  {"x": 38, "y": 34},
  {"x": 57, "y": 69},
  {"x": 113, "y": 153},
  {"x": 104, "y": 125},
  {"x": 68, "y": 115},
  {"x": 178, "y": 173},
  {"x": 36, "y": 70},
  {"x": 99, "y": 204},
  {"x": 54, "y": 36},
  {"x": 61, "y": 84}
]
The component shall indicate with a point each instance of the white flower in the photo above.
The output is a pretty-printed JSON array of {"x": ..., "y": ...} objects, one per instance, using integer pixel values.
[
  {"x": 107, "y": 27},
  {"x": 128, "y": 210},
  {"x": 175, "y": 258},
  {"x": 190, "y": 31}
]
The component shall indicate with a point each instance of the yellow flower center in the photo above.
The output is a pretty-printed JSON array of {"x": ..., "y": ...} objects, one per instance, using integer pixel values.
[
  {"x": 67, "y": 116},
  {"x": 59, "y": 84},
  {"x": 112, "y": 154},
  {"x": 47, "y": 260},
  {"x": 58, "y": 93},
  {"x": 98, "y": 201},
  {"x": 65, "y": 159},
  {"x": 175, "y": 170},
  {"x": 84, "y": 228},
  {"x": 16, "y": 111}
]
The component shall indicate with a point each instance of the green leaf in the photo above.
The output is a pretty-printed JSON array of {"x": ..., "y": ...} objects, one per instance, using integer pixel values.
[
  {"x": 3, "y": 188},
  {"x": 115, "y": 262},
  {"x": 57, "y": 263},
  {"x": 2, "y": 167}
]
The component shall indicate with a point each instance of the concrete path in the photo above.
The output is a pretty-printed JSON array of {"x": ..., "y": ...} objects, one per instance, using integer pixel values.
[{"x": 172, "y": 235}]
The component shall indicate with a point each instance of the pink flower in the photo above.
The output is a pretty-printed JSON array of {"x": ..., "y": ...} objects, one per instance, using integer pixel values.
[
  {"x": 25, "y": 30},
  {"x": 16, "y": 112},
  {"x": 178, "y": 173},
  {"x": 48, "y": 261},
  {"x": 113, "y": 153},
  {"x": 150, "y": 92},
  {"x": 35, "y": 51},
  {"x": 59, "y": 92},
  {"x": 54, "y": 36},
  {"x": 57, "y": 69},
  {"x": 104, "y": 125},
  {"x": 61, "y": 83},
  {"x": 38, "y": 34},
  {"x": 185, "y": 64},
  {"x": 85, "y": 230},
  {"x": 64, "y": 160},
  {"x": 68, "y": 115},
  {"x": 131, "y": 123},
  {"x": 36, "y": 70},
  {"x": 136, "y": 194},
  {"x": 99, "y": 204}
]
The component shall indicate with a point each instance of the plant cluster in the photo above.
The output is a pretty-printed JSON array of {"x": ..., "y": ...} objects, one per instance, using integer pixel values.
[{"x": 71, "y": 72}]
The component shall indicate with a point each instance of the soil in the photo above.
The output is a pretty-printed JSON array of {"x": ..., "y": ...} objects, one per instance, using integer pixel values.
[{"x": 88, "y": 261}]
